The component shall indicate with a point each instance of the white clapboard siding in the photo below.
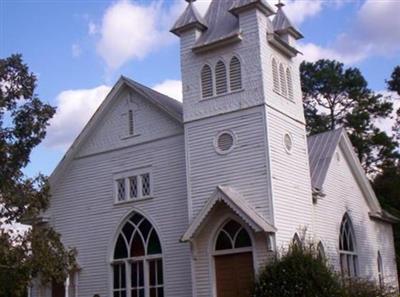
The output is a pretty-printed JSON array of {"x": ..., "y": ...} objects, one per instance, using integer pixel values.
[
  {"x": 244, "y": 167},
  {"x": 344, "y": 194},
  {"x": 292, "y": 200}
]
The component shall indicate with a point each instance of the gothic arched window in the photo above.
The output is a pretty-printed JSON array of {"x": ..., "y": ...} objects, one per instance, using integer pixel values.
[
  {"x": 207, "y": 87},
  {"x": 275, "y": 75},
  {"x": 321, "y": 250},
  {"x": 289, "y": 83},
  {"x": 235, "y": 74},
  {"x": 347, "y": 248},
  {"x": 380, "y": 270},
  {"x": 282, "y": 76},
  {"x": 221, "y": 83},
  {"x": 232, "y": 236},
  {"x": 296, "y": 240},
  {"x": 137, "y": 264}
]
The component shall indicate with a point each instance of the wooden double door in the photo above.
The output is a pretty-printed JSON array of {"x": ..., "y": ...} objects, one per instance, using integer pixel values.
[{"x": 234, "y": 274}]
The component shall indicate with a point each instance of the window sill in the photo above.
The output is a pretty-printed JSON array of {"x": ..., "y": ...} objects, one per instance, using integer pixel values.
[
  {"x": 285, "y": 97},
  {"x": 221, "y": 95},
  {"x": 133, "y": 200},
  {"x": 129, "y": 136}
]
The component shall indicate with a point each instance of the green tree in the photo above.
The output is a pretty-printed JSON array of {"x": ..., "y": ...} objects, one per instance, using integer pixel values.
[
  {"x": 386, "y": 183},
  {"x": 23, "y": 121},
  {"x": 335, "y": 96},
  {"x": 394, "y": 86}
]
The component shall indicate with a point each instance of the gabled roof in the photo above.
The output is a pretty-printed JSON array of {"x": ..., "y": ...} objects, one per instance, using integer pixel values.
[
  {"x": 170, "y": 106},
  {"x": 235, "y": 201},
  {"x": 321, "y": 150},
  {"x": 190, "y": 18},
  {"x": 283, "y": 25}
]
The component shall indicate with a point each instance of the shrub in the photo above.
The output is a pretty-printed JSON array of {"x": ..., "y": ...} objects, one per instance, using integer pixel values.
[
  {"x": 364, "y": 288},
  {"x": 301, "y": 272}
]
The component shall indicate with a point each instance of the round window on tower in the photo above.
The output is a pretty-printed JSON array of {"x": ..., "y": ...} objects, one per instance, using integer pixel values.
[
  {"x": 224, "y": 142},
  {"x": 288, "y": 142}
]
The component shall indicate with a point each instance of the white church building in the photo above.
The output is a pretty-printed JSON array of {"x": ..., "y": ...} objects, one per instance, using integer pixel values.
[{"x": 163, "y": 199}]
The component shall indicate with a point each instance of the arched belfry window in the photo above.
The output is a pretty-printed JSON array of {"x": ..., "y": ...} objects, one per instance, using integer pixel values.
[
  {"x": 235, "y": 74},
  {"x": 232, "y": 236},
  {"x": 289, "y": 83},
  {"x": 221, "y": 83},
  {"x": 207, "y": 87},
  {"x": 275, "y": 75},
  {"x": 137, "y": 262},
  {"x": 347, "y": 248},
  {"x": 282, "y": 77}
]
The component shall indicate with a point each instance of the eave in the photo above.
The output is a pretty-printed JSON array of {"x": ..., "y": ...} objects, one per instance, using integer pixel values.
[{"x": 275, "y": 40}]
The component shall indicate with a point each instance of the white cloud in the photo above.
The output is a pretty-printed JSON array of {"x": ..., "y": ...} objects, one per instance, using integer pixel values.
[
  {"x": 374, "y": 32},
  {"x": 74, "y": 109},
  {"x": 171, "y": 88},
  {"x": 313, "y": 52},
  {"x": 92, "y": 28},
  {"x": 130, "y": 30},
  {"x": 299, "y": 10},
  {"x": 76, "y": 50}
]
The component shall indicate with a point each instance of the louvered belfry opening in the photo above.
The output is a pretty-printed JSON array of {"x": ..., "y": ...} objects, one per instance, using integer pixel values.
[
  {"x": 220, "y": 78},
  {"x": 207, "y": 82},
  {"x": 235, "y": 74},
  {"x": 282, "y": 80},
  {"x": 289, "y": 83},
  {"x": 275, "y": 75}
]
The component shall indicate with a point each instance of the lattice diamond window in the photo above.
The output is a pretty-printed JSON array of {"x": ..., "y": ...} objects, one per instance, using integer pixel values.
[
  {"x": 121, "y": 189},
  {"x": 146, "y": 189},
  {"x": 133, "y": 187}
]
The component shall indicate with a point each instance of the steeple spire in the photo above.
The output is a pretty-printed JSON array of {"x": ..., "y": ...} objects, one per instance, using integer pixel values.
[
  {"x": 280, "y": 4},
  {"x": 189, "y": 19},
  {"x": 282, "y": 25}
]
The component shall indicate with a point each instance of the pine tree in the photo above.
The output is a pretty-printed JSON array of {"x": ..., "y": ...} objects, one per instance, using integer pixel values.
[{"x": 335, "y": 96}]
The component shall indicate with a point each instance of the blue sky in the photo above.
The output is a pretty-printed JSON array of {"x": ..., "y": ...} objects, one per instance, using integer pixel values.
[{"x": 78, "y": 49}]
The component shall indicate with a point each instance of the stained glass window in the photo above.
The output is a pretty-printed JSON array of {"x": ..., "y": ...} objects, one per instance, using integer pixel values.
[
  {"x": 232, "y": 235},
  {"x": 138, "y": 239}
]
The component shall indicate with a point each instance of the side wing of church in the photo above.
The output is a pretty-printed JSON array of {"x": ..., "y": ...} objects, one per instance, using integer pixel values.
[{"x": 168, "y": 199}]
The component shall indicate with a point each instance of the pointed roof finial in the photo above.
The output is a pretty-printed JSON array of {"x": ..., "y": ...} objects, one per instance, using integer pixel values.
[{"x": 280, "y": 4}]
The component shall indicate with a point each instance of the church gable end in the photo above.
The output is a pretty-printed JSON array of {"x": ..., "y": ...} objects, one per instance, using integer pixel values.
[{"x": 130, "y": 119}]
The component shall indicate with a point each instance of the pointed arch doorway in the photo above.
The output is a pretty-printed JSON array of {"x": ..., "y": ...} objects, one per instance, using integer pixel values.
[{"x": 233, "y": 261}]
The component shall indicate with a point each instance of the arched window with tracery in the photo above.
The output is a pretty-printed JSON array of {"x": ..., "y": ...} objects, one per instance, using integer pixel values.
[
  {"x": 232, "y": 236},
  {"x": 275, "y": 75},
  {"x": 289, "y": 83},
  {"x": 282, "y": 76},
  {"x": 347, "y": 248},
  {"x": 137, "y": 262},
  {"x": 221, "y": 84},
  {"x": 207, "y": 87},
  {"x": 235, "y": 74}
]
